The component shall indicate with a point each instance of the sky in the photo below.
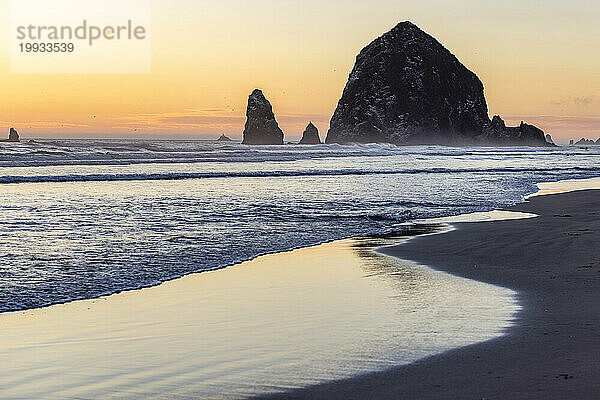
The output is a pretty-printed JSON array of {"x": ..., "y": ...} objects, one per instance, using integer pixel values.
[{"x": 539, "y": 62}]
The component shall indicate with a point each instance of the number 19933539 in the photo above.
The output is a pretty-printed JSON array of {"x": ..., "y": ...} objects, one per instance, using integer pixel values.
[{"x": 46, "y": 47}]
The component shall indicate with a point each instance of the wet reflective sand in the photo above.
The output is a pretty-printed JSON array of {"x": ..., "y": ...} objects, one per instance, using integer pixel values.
[
  {"x": 565, "y": 186},
  {"x": 277, "y": 322}
]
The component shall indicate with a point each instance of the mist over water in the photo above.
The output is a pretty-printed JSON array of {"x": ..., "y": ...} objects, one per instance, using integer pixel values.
[{"x": 83, "y": 218}]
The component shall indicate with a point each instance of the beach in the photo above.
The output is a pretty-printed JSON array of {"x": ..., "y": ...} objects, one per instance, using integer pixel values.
[
  {"x": 300, "y": 200},
  {"x": 271, "y": 324},
  {"x": 551, "y": 352},
  {"x": 226, "y": 272}
]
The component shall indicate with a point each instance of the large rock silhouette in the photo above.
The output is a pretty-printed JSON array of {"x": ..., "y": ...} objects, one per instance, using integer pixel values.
[
  {"x": 261, "y": 126},
  {"x": 406, "y": 88},
  {"x": 310, "y": 135}
]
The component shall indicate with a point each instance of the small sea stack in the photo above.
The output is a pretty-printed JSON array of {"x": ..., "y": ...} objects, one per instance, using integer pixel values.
[
  {"x": 13, "y": 136},
  {"x": 224, "y": 138},
  {"x": 261, "y": 127},
  {"x": 310, "y": 135}
]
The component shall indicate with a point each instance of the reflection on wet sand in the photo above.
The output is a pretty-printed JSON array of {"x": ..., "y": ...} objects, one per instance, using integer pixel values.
[
  {"x": 402, "y": 276},
  {"x": 277, "y": 322},
  {"x": 565, "y": 186}
]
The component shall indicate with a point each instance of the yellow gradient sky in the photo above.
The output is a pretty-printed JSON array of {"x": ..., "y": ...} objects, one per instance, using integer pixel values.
[{"x": 539, "y": 61}]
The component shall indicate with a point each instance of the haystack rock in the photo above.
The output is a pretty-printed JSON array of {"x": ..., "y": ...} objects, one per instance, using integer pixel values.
[
  {"x": 13, "y": 136},
  {"x": 261, "y": 126},
  {"x": 406, "y": 88},
  {"x": 310, "y": 135}
]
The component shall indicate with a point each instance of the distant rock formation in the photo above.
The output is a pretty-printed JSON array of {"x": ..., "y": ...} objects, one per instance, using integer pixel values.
[
  {"x": 587, "y": 142},
  {"x": 310, "y": 135},
  {"x": 549, "y": 139},
  {"x": 13, "y": 136},
  {"x": 498, "y": 133},
  {"x": 261, "y": 126},
  {"x": 224, "y": 138},
  {"x": 406, "y": 88},
  {"x": 571, "y": 142}
]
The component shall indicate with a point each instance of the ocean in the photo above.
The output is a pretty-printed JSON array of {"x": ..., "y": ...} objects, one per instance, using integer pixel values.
[{"x": 84, "y": 218}]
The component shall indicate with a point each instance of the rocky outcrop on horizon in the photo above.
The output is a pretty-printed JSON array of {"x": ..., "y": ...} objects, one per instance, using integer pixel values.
[
  {"x": 587, "y": 142},
  {"x": 499, "y": 134},
  {"x": 224, "y": 138},
  {"x": 13, "y": 136},
  {"x": 310, "y": 135},
  {"x": 406, "y": 88},
  {"x": 261, "y": 126},
  {"x": 549, "y": 139}
]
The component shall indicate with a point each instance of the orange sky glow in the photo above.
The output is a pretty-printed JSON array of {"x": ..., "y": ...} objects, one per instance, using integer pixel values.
[{"x": 538, "y": 60}]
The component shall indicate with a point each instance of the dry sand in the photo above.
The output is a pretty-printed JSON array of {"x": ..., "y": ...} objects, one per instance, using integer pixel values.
[{"x": 553, "y": 352}]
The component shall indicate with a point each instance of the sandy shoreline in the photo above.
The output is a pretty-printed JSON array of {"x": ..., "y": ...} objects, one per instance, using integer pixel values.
[
  {"x": 552, "y": 352},
  {"x": 275, "y": 323},
  {"x": 288, "y": 320}
]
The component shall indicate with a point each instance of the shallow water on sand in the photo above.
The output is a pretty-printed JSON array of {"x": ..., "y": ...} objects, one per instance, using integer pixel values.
[
  {"x": 277, "y": 322},
  {"x": 564, "y": 186}
]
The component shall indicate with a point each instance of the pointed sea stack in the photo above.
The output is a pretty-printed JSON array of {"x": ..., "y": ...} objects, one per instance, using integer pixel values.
[
  {"x": 13, "y": 136},
  {"x": 406, "y": 88},
  {"x": 310, "y": 135},
  {"x": 261, "y": 126}
]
